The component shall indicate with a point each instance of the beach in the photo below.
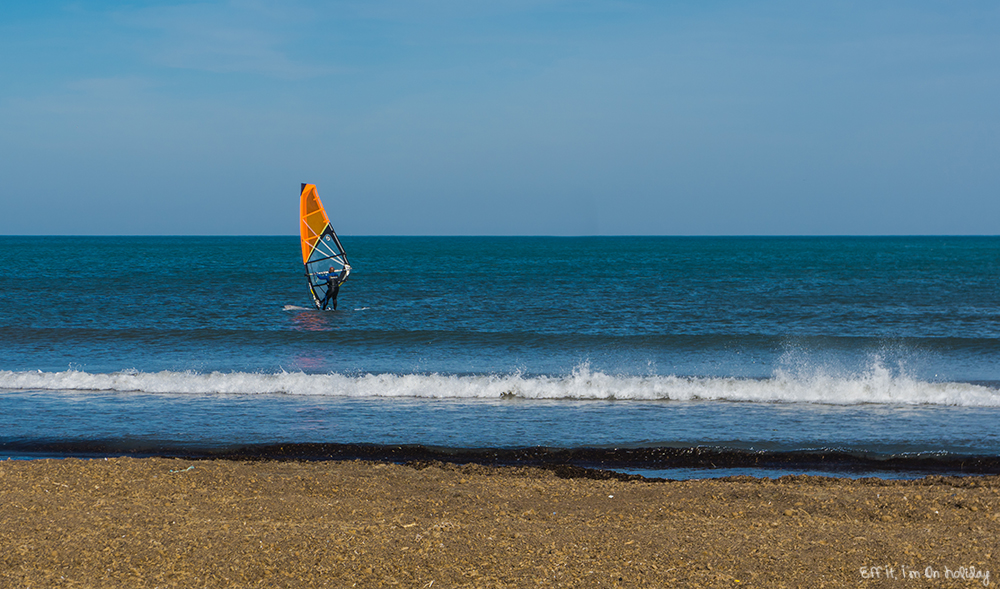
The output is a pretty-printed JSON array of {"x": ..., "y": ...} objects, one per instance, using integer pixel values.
[{"x": 156, "y": 522}]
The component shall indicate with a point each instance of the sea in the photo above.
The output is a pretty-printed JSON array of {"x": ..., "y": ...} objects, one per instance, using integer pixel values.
[{"x": 669, "y": 357}]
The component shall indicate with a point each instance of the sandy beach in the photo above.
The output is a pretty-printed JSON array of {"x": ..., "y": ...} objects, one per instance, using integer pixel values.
[{"x": 215, "y": 523}]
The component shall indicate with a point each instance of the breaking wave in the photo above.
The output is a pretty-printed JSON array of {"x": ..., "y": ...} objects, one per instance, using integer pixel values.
[{"x": 875, "y": 385}]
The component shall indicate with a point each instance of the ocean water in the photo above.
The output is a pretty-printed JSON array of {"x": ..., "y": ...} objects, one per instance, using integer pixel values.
[{"x": 674, "y": 357}]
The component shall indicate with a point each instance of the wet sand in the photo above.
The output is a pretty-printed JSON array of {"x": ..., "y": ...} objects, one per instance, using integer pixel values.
[{"x": 216, "y": 523}]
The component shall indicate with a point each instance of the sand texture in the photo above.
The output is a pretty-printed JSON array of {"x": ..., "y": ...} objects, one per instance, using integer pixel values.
[{"x": 172, "y": 523}]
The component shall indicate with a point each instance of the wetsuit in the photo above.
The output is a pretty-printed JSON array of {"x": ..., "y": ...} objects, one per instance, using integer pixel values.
[{"x": 332, "y": 288}]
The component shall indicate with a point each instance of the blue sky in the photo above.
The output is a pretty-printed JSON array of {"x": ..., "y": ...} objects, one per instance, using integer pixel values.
[{"x": 520, "y": 117}]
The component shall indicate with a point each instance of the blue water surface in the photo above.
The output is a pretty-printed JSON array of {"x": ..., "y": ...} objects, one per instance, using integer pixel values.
[{"x": 893, "y": 342}]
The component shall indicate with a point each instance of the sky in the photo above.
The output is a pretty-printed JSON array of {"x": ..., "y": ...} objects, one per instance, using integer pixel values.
[{"x": 521, "y": 117}]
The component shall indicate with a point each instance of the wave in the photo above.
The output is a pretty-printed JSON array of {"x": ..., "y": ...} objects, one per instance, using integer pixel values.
[
  {"x": 876, "y": 385},
  {"x": 309, "y": 332}
]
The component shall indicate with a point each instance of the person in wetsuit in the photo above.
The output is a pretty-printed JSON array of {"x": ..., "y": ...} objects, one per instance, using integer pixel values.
[{"x": 333, "y": 282}]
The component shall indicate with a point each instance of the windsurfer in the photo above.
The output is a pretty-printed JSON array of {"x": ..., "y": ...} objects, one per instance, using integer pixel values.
[{"x": 333, "y": 282}]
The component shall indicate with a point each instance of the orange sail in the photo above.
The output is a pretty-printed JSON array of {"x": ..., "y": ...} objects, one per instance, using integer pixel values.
[{"x": 323, "y": 256}]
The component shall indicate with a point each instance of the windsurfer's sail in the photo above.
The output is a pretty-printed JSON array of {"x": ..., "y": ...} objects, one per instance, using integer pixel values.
[{"x": 321, "y": 249}]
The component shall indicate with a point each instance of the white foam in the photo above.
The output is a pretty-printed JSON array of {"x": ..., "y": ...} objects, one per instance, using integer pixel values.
[{"x": 875, "y": 386}]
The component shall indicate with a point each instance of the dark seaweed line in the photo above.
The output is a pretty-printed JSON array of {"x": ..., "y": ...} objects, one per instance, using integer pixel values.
[{"x": 651, "y": 458}]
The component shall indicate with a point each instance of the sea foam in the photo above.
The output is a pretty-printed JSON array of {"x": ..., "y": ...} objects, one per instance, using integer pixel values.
[{"x": 876, "y": 385}]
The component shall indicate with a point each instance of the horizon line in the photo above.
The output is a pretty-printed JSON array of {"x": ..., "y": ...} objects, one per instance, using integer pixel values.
[{"x": 517, "y": 235}]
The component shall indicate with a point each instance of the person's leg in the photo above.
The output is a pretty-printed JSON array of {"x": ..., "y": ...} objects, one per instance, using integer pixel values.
[{"x": 336, "y": 290}]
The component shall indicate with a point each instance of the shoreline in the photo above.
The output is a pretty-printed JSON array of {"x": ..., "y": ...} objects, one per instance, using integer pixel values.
[
  {"x": 159, "y": 522},
  {"x": 619, "y": 460}
]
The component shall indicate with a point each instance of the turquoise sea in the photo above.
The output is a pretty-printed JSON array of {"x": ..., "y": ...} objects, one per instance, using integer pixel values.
[{"x": 667, "y": 356}]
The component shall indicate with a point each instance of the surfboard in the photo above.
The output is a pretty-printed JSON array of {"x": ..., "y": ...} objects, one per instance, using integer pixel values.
[{"x": 322, "y": 252}]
